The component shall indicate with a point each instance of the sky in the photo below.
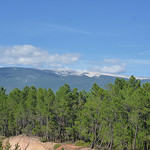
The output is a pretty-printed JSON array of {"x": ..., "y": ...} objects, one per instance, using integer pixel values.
[{"x": 106, "y": 36}]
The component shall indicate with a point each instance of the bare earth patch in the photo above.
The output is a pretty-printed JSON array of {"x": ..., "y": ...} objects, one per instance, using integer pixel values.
[
  {"x": 34, "y": 143},
  {"x": 28, "y": 143}
]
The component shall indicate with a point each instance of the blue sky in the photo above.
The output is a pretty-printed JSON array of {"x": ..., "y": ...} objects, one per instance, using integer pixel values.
[{"x": 101, "y": 35}]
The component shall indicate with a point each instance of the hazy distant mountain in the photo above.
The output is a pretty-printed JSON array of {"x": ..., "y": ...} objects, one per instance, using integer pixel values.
[{"x": 11, "y": 78}]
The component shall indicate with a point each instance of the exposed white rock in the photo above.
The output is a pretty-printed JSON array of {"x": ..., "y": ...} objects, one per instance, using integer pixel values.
[{"x": 67, "y": 72}]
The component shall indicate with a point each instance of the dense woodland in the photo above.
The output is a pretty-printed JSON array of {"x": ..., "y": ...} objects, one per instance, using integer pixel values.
[{"x": 117, "y": 117}]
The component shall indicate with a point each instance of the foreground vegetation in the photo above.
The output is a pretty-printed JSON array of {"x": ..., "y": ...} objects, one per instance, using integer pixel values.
[{"x": 117, "y": 117}]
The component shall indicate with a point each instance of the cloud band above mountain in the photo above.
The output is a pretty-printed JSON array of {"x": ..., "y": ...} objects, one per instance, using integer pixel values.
[
  {"x": 31, "y": 56},
  {"x": 28, "y": 55}
]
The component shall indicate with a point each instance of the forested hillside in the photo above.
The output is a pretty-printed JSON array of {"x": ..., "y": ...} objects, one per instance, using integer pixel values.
[{"x": 116, "y": 118}]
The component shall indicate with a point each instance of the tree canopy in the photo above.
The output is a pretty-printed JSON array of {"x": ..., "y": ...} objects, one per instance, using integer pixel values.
[{"x": 115, "y": 118}]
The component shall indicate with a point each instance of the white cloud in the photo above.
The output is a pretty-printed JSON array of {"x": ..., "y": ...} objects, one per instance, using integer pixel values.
[
  {"x": 110, "y": 66},
  {"x": 113, "y": 66},
  {"x": 28, "y": 55},
  {"x": 114, "y": 69}
]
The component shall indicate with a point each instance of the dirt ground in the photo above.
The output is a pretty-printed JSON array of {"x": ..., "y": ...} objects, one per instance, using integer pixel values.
[
  {"x": 34, "y": 143},
  {"x": 28, "y": 143}
]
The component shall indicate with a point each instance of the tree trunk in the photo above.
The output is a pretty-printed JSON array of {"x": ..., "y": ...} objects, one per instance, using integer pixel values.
[
  {"x": 95, "y": 130},
  {"x": 134, "y": 144},
  {"x": 60, "y": 134},
  {"x": 93, "y": 141},
  {"x": 47, "y": 120},
  {"x": 111, "y": 143}
]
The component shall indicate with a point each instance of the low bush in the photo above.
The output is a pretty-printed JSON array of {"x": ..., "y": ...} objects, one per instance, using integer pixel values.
[
  {"x": 57, "y": 145},
  {"x": 81, "y": 143},
  {"x": 43, "y": 140}
]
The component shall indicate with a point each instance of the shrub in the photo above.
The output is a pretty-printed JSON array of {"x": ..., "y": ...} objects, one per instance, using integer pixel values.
[
  {"x": 8, "y": 146},
  {"x": 17, "y": 147},
  {"x": 1, "y": 145},
  {"x": 81, "y": 143},
  {"x": 43, "y": 140},
  {"x": 57, "y": 145}
]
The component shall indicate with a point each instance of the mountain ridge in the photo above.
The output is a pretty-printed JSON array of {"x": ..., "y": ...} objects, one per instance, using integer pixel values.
[
  {"x": 66, "y": 72},
  {"x": 15, "y": 77}
]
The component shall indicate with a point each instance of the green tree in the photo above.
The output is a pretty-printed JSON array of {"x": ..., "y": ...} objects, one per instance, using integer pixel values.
[
  {"x": 3, "y": 112},
  {"x": 30, "y": 103},
  {"x": 91, "y": 115},
  {"x": 62, "y": 109}
]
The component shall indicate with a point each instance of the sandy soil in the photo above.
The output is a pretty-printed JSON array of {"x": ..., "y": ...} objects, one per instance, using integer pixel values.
[
  {"x": 34, "y": 143},
  {"x": 28, "y": 143}
]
